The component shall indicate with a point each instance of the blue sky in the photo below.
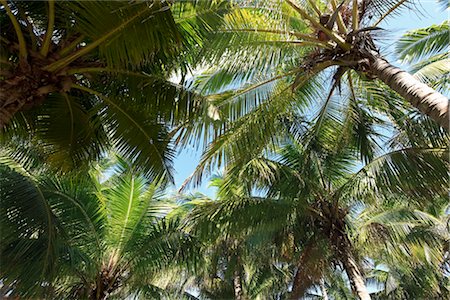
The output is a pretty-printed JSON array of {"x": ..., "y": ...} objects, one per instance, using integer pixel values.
[{"x": 430, "y": 13}]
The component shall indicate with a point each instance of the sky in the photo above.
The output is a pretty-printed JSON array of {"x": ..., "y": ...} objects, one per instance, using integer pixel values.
[{"x": 430, "y": 13}]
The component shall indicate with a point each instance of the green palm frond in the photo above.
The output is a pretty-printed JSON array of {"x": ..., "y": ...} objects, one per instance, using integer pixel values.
[
  {"x": 415, "y": 172},
  {"x": 410, "y": 128},
  {"x": 115, "y": 35},
  {"x": 125, "y": 207},
  {"x": 135, "y": 135},
  {"x": 363, "y": 119},
  {"x": 256, "y": 128},
  {"x": 65, "y": 230},
  {"x": 210, "y": 219},
  {"x": 30, "y": 230},
  {"x": 77, "y": 128},
  {"x": 42, "y": 222},
  {"x": 435, "y": 72},
  {"x": 380, "y": 9},
  {"x": 161, "y": 245},
  {"x": 414, "y": 230},
  {"x": 242, "y": 135},
  {"x": 95, "y": 44},
  {"x": 70, "y": 134},
  {"x": 418, "y": 43}
]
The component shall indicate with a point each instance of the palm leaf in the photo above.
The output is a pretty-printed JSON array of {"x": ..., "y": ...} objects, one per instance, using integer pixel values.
[
  {"x": 414, "y": 172},
  {"x": 70, "y": 135},
  {"x": 136, "y": 135},
  {"x": 419, "y": 43},
  {"x": 109, "y": 33}
]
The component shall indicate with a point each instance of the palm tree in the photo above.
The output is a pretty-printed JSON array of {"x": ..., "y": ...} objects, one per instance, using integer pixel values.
[
  {"x": 311, "y": 191},
  {"x": 236, "y": 263},
  {"x": 95, "y": 75},
  {"x": 262, "y": 116},
  {"x": 416, "y": 267},
  {"x": 253, "y": 106},
  {"x": 269, "y": 72},
  {"x": 89, "y": 237}
]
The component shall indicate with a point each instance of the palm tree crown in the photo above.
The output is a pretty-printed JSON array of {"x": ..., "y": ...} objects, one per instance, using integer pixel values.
[{"x": 80, "y": 77}]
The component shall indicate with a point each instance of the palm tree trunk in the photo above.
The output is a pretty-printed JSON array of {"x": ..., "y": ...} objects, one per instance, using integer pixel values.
[
  {"x": 323, "y": 289},
  {"x": 237, "y": 284},
  {"x": 308, "y": 271},
  {"x": 420, "y": 95},
  {"x": 354, "y": 273}
]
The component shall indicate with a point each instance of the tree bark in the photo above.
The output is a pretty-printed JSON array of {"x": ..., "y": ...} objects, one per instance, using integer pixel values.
[
  {"x": 309, "y": 270},
  {"x": 237, "y": 281},
  {"x": 353, "y": 272},
  {"x": 427, "y": 100},
  {"x": 323, "y": 289}
]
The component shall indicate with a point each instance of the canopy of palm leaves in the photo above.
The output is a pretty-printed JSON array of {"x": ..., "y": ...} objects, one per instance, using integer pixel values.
[
  {"x": 80, "y": 77},
  {"x": 89, "y": 237},
  {"x": 332, "y": 182},
  {"x": 262, "y": 52},
  {"x": 318, "y": 209}
]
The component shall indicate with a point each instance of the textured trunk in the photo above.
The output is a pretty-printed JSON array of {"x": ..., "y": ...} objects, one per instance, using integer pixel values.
[
  {"x": 323, "y": 289},
  {"x": 353, "y": 272},
  {"x": 421, "y": 96},
  {"x": 234, "y": 263},
  {"x": 4, "y": 290},
  {"x": 237, "y": 285},
  {"x": 308, "y": 271}
]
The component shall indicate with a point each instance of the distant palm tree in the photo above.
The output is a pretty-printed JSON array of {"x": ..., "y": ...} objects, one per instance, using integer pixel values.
[
  {"x": 235, "y": 264},
  {"x": 408, "y": 243},
  {"x": 310, "y": 193},
  {"x": 96, "y": 75},
  {"x": 83, "y": 238}
]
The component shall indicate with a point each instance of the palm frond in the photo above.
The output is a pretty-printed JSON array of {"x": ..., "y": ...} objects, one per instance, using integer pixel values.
[
  {"x": 435, "y": 72},
  {"x": 114, "y": 34},
  {"x": 380, "y": 9},
  {"x": 136, "y": 135},
  {"x": 70, "y": 135},
  {"x": 415, "y": 172},
  {"x": 31, "y": 229},
  {"x": 162, "y": 245},
  {"x": 419, "y": 43}
]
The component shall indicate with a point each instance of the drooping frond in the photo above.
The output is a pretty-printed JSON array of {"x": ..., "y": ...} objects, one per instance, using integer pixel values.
[
  {"x": 248, "y": 46},
  {"x": 415, "y": 230},
  {"x": 415, "y": 172},
  {"x": 149, "y": 22},
  {"x": 417, "y": 44},
  {"x": 268, "y": 120},
  {"x": 30, "y": 230},
  {"x": 135, "y": 134},
  {"x": 43, "y": 219},
  {"x": 69, "y": 134},
  {"x": 259, "y": 215},
  {"x": 160, "y": 245},
  {"x": 410, "y": 243}
]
